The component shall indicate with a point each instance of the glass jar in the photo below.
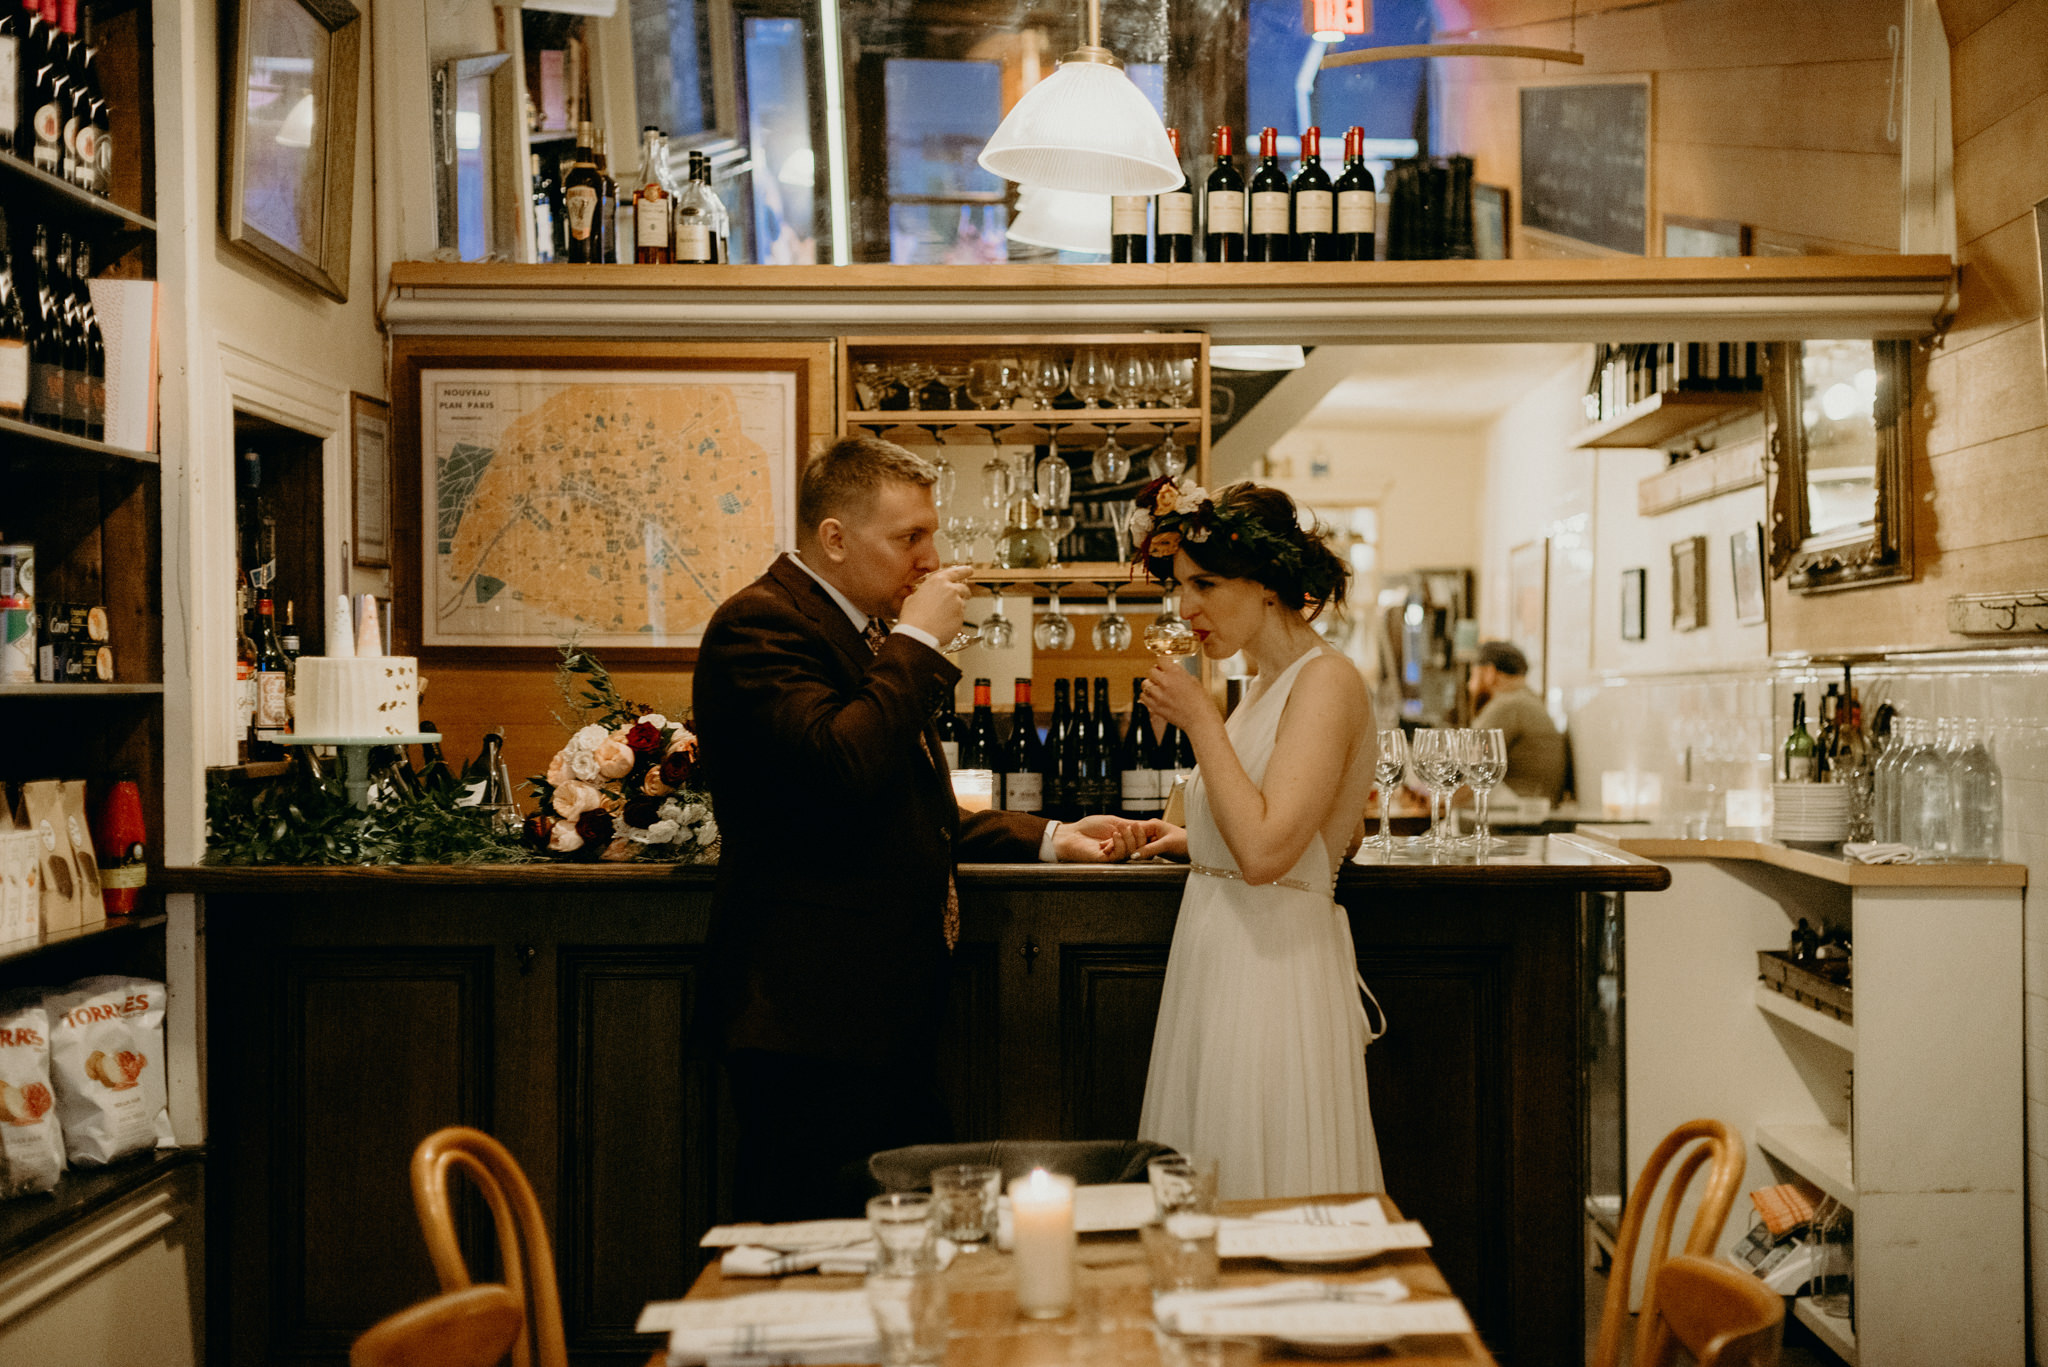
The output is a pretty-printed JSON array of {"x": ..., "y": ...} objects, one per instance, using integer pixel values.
[{"x": 1024, "y": 544}]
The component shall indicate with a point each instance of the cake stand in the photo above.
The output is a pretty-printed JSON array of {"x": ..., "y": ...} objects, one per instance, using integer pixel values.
[{"x": 355, "y": 756}]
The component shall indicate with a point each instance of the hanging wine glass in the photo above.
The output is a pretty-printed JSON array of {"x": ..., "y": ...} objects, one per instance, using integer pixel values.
[
  {"x": 1171, "y": 459},
  {"x": 1112, "y": 631},
  {"x": 945, "y": 489},
  {"x": 1089, "y": 379},
  {"x": 1112, "y": 464},
  {"x": 996, "y": 629},
  {"x": 1169, "y": 636},
  {"x": 1055, "y": 630},
  {"x": 996, "y": 480}
]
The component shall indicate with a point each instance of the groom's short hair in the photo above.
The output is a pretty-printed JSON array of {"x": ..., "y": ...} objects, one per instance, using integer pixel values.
[{"x": 843, "y": 479}]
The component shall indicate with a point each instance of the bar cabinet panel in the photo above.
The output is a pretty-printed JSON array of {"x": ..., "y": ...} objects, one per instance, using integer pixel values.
[{"x": 1109, "y": 1003}]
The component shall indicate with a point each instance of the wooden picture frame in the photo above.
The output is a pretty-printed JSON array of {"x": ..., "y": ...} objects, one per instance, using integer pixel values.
[
  {"x": 1696, "y": 237},
  {"x": 1689, "y": 584},
  {"x": 289, "y": 173},
  {"x": 1529, "y": 606},
  {"x": 653, "y": 451},
  {"x": 369, "y": 445},
  {"x": 1746, "y": 565},
  {"x": 1635, "y": 585}
]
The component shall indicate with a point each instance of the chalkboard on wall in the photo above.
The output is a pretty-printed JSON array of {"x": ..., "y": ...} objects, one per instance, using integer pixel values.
[{"x": 1586, "y": 162}]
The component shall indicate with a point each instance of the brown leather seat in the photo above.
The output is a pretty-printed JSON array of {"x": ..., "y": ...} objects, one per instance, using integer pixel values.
[
  {"x": 473, "y": 1327},
  {"x": 1089, "y": 1162}
]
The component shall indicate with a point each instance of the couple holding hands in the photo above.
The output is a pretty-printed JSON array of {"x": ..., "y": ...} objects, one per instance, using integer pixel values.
[{"x": 827, "y": 989}]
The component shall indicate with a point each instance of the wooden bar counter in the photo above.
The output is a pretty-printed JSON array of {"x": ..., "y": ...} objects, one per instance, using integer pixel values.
[{"x": 354, "y": 1011}]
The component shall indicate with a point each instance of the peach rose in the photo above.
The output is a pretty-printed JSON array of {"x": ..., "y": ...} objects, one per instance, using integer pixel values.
[
  {"x": 573, "y": 799},
  {"x": 614, "y": 760},
  {"x": 558, "y": 769},
  {"x": 563, "y": 838},
  {"x": 652, "y": 783}
]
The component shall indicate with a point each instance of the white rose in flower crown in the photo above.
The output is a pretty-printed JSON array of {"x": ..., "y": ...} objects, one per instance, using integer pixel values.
[
  {"x": 1193, "y": 497},
  {"x": 614, "y": 759},
  {"x": 573, "y": 799},
  {"x": 583, "y": 766},
  {"x": 695, "y": 813},
  {"x": 655, "y": 720},
  {"x": 590, "y": 737},
  {"x": 1141, "y": 527}
]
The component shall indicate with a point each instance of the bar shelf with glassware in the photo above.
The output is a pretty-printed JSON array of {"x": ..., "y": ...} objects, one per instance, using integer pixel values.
[{"x": 1039, "y": 417}]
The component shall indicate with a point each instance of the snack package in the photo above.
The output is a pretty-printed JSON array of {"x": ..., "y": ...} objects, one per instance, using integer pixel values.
[
  {"x": 31, "y": 1142},
  {"x": 21, "y": 885},
  {"x": 85, "y": 862},
  {"x": 63, "y": 890},
  {"x": 107, "y": 1062}
]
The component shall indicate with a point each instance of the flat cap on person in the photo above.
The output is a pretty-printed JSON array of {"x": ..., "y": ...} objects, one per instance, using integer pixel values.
[{"x": 1504, "y": 656}]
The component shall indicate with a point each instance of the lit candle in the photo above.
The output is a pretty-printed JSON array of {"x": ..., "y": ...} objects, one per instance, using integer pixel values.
[
  {"x": 974, "y": 789},
  {"x": 1042, "y": 1218}
]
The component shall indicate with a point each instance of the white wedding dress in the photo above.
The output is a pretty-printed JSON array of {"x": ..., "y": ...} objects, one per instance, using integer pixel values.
[{"x": 1258, "y": 1060}]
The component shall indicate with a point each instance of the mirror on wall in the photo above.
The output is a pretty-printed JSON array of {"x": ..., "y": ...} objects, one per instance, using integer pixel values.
[{"x": 1836, "y": 415}]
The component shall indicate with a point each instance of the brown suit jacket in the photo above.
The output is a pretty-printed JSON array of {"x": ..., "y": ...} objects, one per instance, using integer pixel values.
[{"x": 838, "y": 830}]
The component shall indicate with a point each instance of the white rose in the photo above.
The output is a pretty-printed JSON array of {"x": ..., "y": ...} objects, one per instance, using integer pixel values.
[
  {"x": 1193, "y": 497},
  {"x": 656, "y": 720},
  {"x": 583, "y": 765},
  {"x": 695, "y": 813},
  {"x": 662, "y": 832},
  {"x": 563, "y": 838},
  {"x": 1141, "y": 527},
  {"x": 671, "y": 811},
  {"x": 590, "y": 737},
  {"x": 707, "y": 833}
]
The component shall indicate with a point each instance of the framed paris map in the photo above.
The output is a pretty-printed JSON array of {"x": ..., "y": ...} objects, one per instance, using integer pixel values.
[{"x": 614, "y": 503}]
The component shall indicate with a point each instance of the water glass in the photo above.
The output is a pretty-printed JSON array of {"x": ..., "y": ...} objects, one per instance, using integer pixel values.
[
  {"x": 902, "y": 1224},
  {"x": 1182, "y": 1185},
  {"x": 1180, "y": 1253},
  {"x": 964, "y": 1200},
  {"x": 1207, "y": 1350},
  {"x": 910, "y": 1316}
]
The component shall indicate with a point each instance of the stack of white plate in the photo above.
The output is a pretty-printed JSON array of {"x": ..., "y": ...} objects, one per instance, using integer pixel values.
[{"x": 1810, "y": 813}]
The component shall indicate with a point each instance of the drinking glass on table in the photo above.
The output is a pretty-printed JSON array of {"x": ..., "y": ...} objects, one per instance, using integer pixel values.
[
  {"x": 905, "y": 1294},
  {"x": 964, "y": 1203},
  {"x": 902, "y": 1225},
  {"x": 1180, "y": 1242},
  {"x": 1485, "y": 764},
  {"x": 1390, "y": 766},
  {"x": 1437, "y": 767}
]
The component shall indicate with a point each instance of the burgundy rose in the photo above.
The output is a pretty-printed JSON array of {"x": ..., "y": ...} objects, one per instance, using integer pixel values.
[
  {"x": 675, "y": 769},
  {"x": 596, "y": 827},
  {"x": 537, "y": 828},
  {"x": 644, "y": 739},
  {"x": 642, "y": 812}
]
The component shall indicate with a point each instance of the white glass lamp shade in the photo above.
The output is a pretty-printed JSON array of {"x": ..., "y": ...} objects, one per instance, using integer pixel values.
[
  {"x": 1086, "y": 128},
  {"x": 1061, "y": 219},
  {"x": 1257, "y": 358}
]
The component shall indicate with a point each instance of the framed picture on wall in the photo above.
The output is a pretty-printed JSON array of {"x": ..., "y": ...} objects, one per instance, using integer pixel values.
[
  {"x": 616, "y": 498},
  {"x": 370, "y": 460},
  {"x": 1689, "y": 584},
  {"x": 1634, "y": 586},
  {"x": 1529, "y": 605},
  {"x": 1746, "y": 561}
]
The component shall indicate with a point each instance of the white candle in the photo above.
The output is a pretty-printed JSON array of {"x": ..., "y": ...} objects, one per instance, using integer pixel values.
[
  {"x": 1042, "y": 1219},
  {"x": 974, "y": 789}
]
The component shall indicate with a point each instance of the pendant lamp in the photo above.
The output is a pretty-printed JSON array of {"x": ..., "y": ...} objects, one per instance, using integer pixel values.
[
  {"x": 1086, "y": 128},
  {"x": 1062, "y": 219}
]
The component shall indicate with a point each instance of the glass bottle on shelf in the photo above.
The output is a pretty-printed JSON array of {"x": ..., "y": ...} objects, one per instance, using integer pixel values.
[
  {"x": 1057, "y": 790},
  {"x": 14, "y": 363},
  {"x": 1923, "y": 792},
  {"x": 1315, "y": 204},
  {"x": 1223, "y": 205},
  {"x": 95, "y": 394},
  {"x": 583, "y": 202},
  {"x": 245, "y": 677},
  {"x": 1358, "y": 204},
  {"x": 1024, "y": 544},
  {"x": 1976, "y": 797},
  {"x": 652, "y": 229},
  {"x": 1270, "y": 238},
  {"x": 696, "y": 215},
  {"x": 1023, "y": 757},
  {"x": 273, "y": 685},
  {"x": 1799, "y": 765},
  {"x": 543, "y": 212},
  {"x": 952, "y": 734},
  {"x": 608, "y": 204},
  {"x": 1173, "y": 215}
]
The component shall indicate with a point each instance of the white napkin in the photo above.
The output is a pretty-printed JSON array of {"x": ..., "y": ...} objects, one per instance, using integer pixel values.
[
  {"x": 771, "y": 1327},
  {"x": 1309, "y": 1308},
  {"x": 1265, "y": 1239},
  {"x": 1880, "y": 852},
  {"x": 1365, "y": 1212},
  {"x": 753, "y": 1260},
  {"x": 800, "y": 1234}
]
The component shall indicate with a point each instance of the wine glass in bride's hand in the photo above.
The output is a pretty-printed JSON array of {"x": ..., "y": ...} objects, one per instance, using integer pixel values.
[
  {"x": 1390, "y": 765},
  {"x": 1170, "y": 636}
]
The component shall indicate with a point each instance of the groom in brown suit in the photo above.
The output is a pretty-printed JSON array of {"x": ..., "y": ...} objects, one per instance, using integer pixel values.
[{"x": 834, "y": 912}]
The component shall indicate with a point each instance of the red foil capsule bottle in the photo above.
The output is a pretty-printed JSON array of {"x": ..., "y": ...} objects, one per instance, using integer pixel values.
[{"x": 122, "y": 843}]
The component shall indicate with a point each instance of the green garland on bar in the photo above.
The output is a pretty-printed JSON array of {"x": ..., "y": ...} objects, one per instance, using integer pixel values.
[{"x": 301, "y": 819}]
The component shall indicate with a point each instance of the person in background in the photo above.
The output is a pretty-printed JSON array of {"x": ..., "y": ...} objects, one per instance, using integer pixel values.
[{"x": 1501, "y": 698}]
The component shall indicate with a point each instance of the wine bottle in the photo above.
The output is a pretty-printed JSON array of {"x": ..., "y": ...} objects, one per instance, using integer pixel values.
[
  {"x": 1023, "y": 758},
  {"x": 11, "y": 22},
  {"x": 77, "y": 350},
  {"x": 1358, "y": 204},
  {"x": 1799, "y": 757},
  {"x": 981, "y": 747},
  {"x": 14, "y": 366},
  {"x": 45, "y": 342},
  {"x": 1129, "y": 234},
  {"x": 696, "y": 239},
  {"x": 245, "y": 674},
  {"x": 1077, "y": 757},
  {"x": 1139, "y": 761},
  {"x": 1315, "y": 204},
  {"x": 1173, "y": 215},
  {"x": 582, "y": 202},
  {"x": 435, "y": 778},
  {"x": 1272, "y": 205},
  {"x": 608, "y": 204},
  {"x": 1056, "y": 790},
  {"x": 1223, "y": 205},
  {"x": 1824, "y": 740},
  {"x": 1108, "y": 769},
  {"x": 653, "y": 232},
  {"x": 952, "y": 735},
  {"x": 543, "y": 208},
  {"x": 273, "y": 715},
  {"x": 95, "y": 345},
  {"x": 76, "y": 106},
  {"x": 46, "y": 113}
]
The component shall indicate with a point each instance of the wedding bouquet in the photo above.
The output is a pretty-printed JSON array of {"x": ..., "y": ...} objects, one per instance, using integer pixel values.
[{"x": 621, "y": 788}]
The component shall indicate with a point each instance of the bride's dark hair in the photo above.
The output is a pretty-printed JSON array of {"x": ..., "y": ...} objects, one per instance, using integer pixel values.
[{"x": 1253, "y": 531}]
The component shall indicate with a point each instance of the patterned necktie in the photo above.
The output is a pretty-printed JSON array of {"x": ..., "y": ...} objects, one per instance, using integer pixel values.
[{"x": 876, "y": 633}]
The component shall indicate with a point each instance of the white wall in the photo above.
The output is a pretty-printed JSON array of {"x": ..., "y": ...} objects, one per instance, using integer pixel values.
[{"x": 1425, "y": 481}]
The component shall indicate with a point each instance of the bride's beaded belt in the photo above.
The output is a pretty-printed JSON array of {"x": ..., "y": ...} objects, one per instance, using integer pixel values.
[{"x": 1301, "y": 883}]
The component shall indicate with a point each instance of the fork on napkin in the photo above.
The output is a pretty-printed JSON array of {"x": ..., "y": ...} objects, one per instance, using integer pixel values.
[
  {"x": 1306, "y": 1308},
  {"x": 847, "y": 1260},
  {"x": 766, "y": 1328}
]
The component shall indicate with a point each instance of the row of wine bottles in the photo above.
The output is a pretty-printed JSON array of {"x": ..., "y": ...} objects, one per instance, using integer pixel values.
[
  {"x": 584, "y": 218},
  {"x": 53, "y": 353},
  {"x": 1309, "y": 217},
  {"x": 52, "y": 112},
  {"x": 1626, "y": 373},
  {"x": 1083, "y": 763}
]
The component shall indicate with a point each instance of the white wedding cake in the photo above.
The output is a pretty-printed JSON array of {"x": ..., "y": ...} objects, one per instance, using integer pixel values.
[{"x": 349, "y": 698}]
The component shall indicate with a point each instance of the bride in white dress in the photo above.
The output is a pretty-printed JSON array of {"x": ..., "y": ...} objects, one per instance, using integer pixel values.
[{"x": 1258, "y": 1060}]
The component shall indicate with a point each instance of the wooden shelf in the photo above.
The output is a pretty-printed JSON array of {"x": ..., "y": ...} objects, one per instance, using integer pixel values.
[
  {"x": 1819, "y": 1153},
  {"x": 82, "y": 690},
  {"x": 1841, "y": 1034},
  {"x": 18, "y": 439},
  {"x": 1021, "y": 417},
  {"x": 1832, "y": 1330},
  {"x": 61, "y": 199},
  {"x": 16, "y": 952},
  {"x": 1666, "y": 419},
  {"x": 82, "y": 1193},
  {"x": 1651, "y": 842}
]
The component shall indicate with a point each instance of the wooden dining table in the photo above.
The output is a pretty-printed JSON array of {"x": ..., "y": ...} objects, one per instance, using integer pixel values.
[{"x": 1111, "y": 1324}]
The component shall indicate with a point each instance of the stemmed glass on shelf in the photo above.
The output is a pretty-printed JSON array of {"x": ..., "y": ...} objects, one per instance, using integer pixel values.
[
  {"x": 953, "y": 375},
  {"x": 1436, "y": 763},
  {"x": 1043, "y": 378},
  {"x": 992, "y": 382},
  {"x": 1055, "y": 630},
  {"x": 914, "y": 376},
  {"x": 1484, "y": 762},
  {"x": 1128, "y": 380},
  {"x": 1390, "y": 765},
  {"x": 1089, "y": 379},
  {"x": 1111, "y": 631}
]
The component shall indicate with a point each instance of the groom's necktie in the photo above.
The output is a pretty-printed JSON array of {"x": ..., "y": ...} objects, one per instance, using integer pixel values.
[{"x": 876, "y": 633}]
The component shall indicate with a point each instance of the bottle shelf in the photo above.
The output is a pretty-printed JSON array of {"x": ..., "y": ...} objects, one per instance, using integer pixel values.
[
  {"x": 1832, "y": 1330},
  {"x": 28, "y": 947},
  {"x": 1839, "y": 1033},
  {"x": 1819, "y": 1153},
  {"x": 1021, "y": 417},
  {"x": 1666, "y": 418},
  {"x": 59, "y": 198},
  {"x": 81, "y": 690},
  {"x": 18, "y": 438}
]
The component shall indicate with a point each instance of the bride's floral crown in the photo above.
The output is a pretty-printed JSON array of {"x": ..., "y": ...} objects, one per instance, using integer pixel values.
[{"x": 1169, "y": 513}]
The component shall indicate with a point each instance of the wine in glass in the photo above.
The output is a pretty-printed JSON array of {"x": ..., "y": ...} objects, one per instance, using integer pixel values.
[
  {"x": 1390, "y": 765},
  {"x": 1169, "y": 636}
]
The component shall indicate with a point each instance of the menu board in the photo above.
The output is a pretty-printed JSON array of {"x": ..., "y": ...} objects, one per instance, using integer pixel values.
[{"x": 1586, "y": 162}]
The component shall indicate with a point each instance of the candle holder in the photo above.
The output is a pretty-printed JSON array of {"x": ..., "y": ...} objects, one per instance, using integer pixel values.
[
  {"x": 974, "y": 789},
  {"x": 1042, "y": 1218}
]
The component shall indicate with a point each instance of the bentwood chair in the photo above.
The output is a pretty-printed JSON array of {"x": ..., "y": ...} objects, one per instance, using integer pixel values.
[
  {"x": 469, "y": 1328},
  {"x": 1716, "y": 1143},
  {"x": 524, "y": 1251},
  {"x": 1087, "y": 1161},
  {"x": 1721, "y": 1314}
]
